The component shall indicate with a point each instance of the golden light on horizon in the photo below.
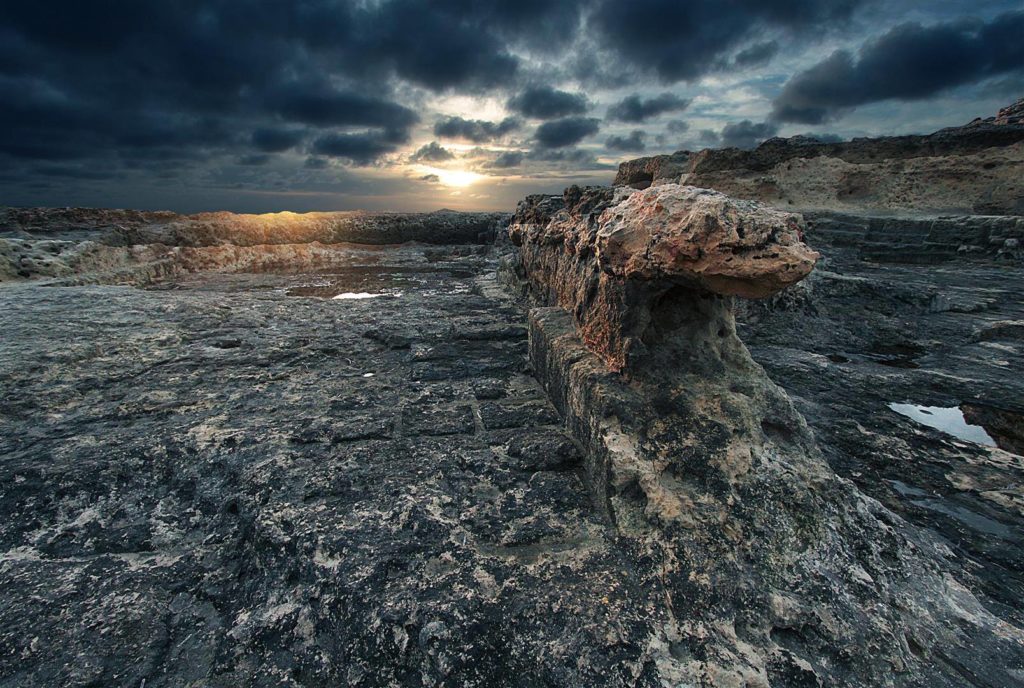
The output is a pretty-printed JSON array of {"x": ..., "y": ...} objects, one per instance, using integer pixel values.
[{"x": 454, "y": 178}]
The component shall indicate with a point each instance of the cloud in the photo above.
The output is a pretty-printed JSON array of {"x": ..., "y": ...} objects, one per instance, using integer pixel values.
[
  {"x": 432, "y": 152},
  {"x": 636, "y": 141},
  {"x": 567, "y": 159},
  {"x": 680, "y": 41},
  {"x": 567, "y": 131},
  {"x": 360, "y": 149},
  {"x": 747, "y": 134},
  {"x": 434, "y": 44},
  {"x": 255, "y": 159},
  {"x": 506, "y": 160},
  {"x": 321, "y": 105},
  {"x": 635, "y": 109},
  {"x": 475, "y": 130},
  {"x": 756, "y": 54},
  {"x": 544, "y": 102},
  {"x": 204, "y": 92},
  {"x": 908, "y": 62},
  {"x": 275, "y": 140}
]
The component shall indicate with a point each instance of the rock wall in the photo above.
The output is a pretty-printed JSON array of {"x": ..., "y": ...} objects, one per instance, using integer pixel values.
[
  {"x": 921, "y": 240},
  {"x": 774, "y": 571},
  {"x": 977, "y": 169}
]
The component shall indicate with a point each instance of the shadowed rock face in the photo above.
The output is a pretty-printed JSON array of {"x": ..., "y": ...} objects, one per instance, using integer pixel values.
[
  {"x": 773, "y": 570},
  {"x": 610, "y": 257}
]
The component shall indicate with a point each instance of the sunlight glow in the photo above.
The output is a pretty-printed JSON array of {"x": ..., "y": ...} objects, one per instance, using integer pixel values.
[{"x": 455, "y": 178}]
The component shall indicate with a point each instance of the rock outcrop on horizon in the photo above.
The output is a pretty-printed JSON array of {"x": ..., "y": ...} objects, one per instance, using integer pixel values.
[
  {"x": 773, "y": 570},
  {"x": 976, "y": 168}
]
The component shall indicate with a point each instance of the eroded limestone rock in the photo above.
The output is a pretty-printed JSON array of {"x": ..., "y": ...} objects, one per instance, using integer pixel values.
[
  {"x": 773, "y": 570},
  {"x": 609, "y": 256}
]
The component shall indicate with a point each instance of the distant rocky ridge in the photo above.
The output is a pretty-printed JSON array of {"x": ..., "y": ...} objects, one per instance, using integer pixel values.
[
  {"x": 977, "y": 168},
  {"x": 131, "y": 227},
  {"x": 103, "y": 245}
]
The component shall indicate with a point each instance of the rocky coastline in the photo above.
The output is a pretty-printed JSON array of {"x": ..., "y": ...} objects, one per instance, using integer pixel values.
[{"x": 681, "y": 430}]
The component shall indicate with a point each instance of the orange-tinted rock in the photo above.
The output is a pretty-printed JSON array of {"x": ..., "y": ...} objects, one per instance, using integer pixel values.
[
  {"x": 704, "y": 238},
  {"x": 608, "y": 256}
]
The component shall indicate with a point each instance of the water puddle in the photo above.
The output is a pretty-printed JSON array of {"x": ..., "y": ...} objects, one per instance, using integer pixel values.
[
  {"x": 357, "y": 295},
  {"x": 949, "y": 420}
]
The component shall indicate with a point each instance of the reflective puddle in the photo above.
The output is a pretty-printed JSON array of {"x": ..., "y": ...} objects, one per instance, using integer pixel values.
[
  {"x": 949, "y": 420},
  {"x": 356, "y": 295}
]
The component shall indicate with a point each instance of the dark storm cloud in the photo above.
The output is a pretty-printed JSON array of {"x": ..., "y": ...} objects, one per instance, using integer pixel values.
[
  {"x": 677, "y": 126},
  {"x": 72, "y": 172},
  {"x": 432, "y": 152},
  {"x": 157, "y": 90},
  {"x": 438, "y": 45},
  {"x": 567, "y": 158},
  {"x": 636, "y": 141},
  {"x": 747, "y": 134},
  {"x": 275, "y": 140},
  {"x": 319, "y": 104},
  {"x": 908, "y": 62},
  {"x": 506, "y": 160},
  {"x": 756, "y": 54},
  {"x": 567, "y": 131},
  {"x": 544, "y": 102},
  {"x": 255, "y": 159},
  {"x": 359, "y": 149},
  {"x": 636, "y": 109},
  {"x": 475, "y": 130},
  {"x": 685, "y": 40},
  {"x": 105, "y": 79}
]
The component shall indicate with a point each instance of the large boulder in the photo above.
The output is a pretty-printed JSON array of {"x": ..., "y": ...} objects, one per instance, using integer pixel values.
[{"x": 645, "y": 243}]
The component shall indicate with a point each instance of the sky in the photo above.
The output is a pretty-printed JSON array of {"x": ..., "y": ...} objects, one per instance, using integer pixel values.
[{"x": 269, "y": 105}]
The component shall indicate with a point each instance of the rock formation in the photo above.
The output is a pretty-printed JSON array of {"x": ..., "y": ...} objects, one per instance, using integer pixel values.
[
  {"x": 645, "y": 244},
  {"x": 975, "y": 168},
  {"x": 772, "y": 569}
]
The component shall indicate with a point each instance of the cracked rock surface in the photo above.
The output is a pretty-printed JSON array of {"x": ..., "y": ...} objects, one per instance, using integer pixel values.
[
  {"x": 224, "y": 480},
  {"x": 319, "y": 464}
]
